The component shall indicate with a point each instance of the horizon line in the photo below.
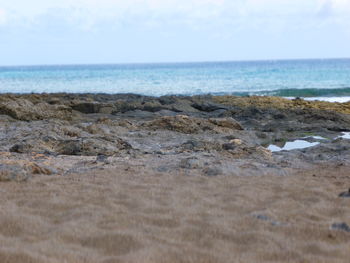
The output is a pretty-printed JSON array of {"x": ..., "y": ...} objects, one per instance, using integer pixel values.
[{"x": 168, "y": 62}]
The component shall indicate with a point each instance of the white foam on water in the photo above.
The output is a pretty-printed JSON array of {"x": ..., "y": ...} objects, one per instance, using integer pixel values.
[{"x": 329, "y": 99}]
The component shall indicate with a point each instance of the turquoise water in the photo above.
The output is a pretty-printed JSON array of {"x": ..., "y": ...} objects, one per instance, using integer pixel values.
[{"x": 288, "y": 78}]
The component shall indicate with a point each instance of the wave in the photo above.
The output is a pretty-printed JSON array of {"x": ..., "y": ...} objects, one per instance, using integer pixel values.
[{"x": 339, "y": 92}]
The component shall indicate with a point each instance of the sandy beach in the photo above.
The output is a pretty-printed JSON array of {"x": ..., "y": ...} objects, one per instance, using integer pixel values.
[{"x": 127, "y": 178}]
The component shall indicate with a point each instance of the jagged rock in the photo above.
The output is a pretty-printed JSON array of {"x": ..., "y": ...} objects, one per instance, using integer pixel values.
[
  {"x": 89, "y": 107},
  {"x": 179, "y": 123},
  {"x": 25, "y": 110},
  {"x": 226, "y": 123},
  {"x": 195, "y": 126},
  {"x": 188, "y": 125},
  {"x": 21, "y": 148},
  {"x": 182, "y": 106},
  {"x": 209, "y": 106},
  {"x": 83, "y": 146},
  {"x": 95, "y": 146}
]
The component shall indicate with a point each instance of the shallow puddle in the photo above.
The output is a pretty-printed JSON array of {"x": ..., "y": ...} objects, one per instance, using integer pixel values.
[
  {"x": 302, "y": 144},
  {"x": 297, "y": 144},
  {"x": 346, "y": 135}
]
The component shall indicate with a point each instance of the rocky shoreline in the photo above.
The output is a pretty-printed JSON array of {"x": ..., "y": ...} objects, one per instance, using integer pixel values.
[
  {"x": 208, "y": 135},
  {"x": 128, "y": 178}
]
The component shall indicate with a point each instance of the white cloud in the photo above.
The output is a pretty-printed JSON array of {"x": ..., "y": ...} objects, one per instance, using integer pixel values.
[
  {"x": 2, "y": 16},
  {"x": 85, "y": 14}
]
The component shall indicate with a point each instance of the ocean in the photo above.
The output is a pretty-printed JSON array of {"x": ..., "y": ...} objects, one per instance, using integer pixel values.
[{"x": 327, "y": 79}]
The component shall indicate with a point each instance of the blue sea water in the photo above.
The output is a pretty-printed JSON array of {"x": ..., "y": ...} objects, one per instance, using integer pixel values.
[{"x": 287, "y": 78}]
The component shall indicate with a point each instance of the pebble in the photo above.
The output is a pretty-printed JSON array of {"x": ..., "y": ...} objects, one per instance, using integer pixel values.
[
  {"x": 340, "y": 226},
  {"x": 268, "y": 219}
]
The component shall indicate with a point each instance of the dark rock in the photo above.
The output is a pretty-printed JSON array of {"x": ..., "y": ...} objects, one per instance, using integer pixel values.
[
  {"x": 54, "y": 101},
  {"x": 345, "y": 194},
  {"x": 279, "y": 116},
  {"x": 87, "y": 107},
  {"x": 144, "y": 104},
  {"x": 230, "y": 137},
  {"x": 251, "y": 112},
  {"x": 340, "y": 226},
  {"x": 183, "y": 107},
  {"x": 19, "y": 148},
  {"x": 73, "y": 147},
  {"x": 228, "y": 146},
  {"x": 101, "y": 158},
  {"x": 209, "y": 106},
  {"x": 268, "y": 219},
  {"x": 221, "y": 113},
  {"x": 263, "y": 217}
]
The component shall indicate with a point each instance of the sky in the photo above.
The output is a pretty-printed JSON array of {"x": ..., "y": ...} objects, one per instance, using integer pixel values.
[{"x": 131, "y": 31}]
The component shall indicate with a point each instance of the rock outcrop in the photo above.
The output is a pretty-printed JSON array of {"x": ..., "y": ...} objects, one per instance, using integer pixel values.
[{"x": 25, "y": 110}]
